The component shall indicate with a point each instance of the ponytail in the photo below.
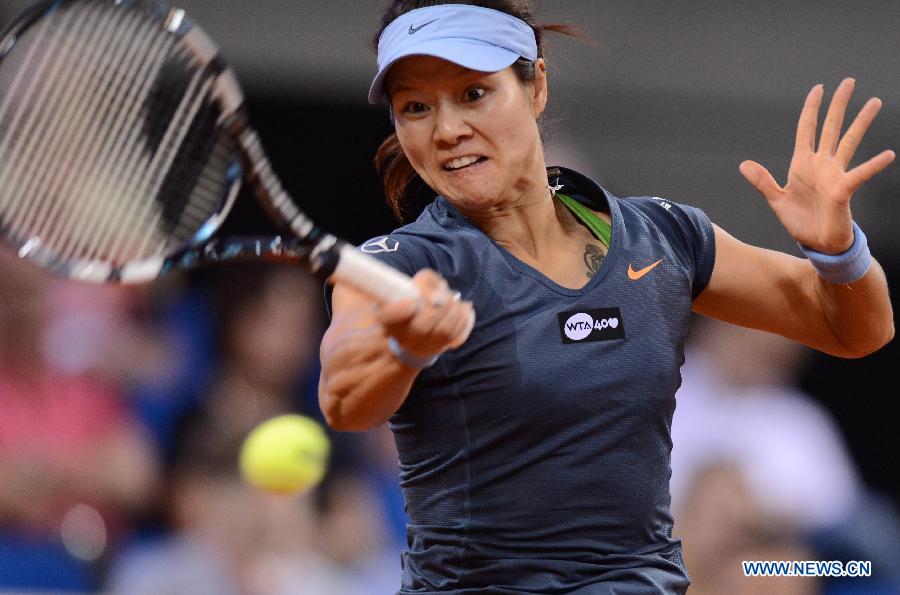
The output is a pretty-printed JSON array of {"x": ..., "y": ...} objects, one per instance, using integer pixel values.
[{"x": 391, "y": 162}]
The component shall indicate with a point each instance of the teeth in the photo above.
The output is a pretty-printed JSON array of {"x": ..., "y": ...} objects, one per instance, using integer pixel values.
[{"x": 461, "y": 162}]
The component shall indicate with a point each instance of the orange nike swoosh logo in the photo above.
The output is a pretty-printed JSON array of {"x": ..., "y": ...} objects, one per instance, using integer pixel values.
[{"x": 635, "y": 275}]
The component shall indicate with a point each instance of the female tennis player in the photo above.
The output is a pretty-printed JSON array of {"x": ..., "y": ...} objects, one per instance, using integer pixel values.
[{"x": 534, "y": 457}]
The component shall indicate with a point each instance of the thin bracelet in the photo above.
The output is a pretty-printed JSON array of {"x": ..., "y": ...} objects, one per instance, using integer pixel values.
[
  {"x": 409, "y": 359},
  {"x": 846, "y": 267}
]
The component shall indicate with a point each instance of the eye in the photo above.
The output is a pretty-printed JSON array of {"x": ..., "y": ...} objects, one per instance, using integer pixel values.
[
  {"x": 475, "y": 94},
  {"x": 415, "y": 107}
]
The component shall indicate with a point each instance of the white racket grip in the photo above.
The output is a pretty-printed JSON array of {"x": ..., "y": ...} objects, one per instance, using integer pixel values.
[
  {"x": 373, "y": 277},
  {"x": 380, "y": 281}
]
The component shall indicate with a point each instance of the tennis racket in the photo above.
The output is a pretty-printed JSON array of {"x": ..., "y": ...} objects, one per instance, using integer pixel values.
[{"x": 123, "y": 143}]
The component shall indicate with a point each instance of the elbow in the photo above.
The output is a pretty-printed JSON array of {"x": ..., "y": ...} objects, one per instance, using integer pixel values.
[
  {"x": 332, "y": 406},
  {"x": 335, "y": 420},
  {"x": 340, "y": 424},
  {"x": 339, "y": 421},
  {"x": 886, "y": 337},
  {"x": 876, "y": 342},
  {"x": 330, "y": 411}
]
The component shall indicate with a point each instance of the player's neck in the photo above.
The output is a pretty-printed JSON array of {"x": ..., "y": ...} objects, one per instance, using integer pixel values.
[
  {"x": 527, "y": 227},
  {"x": 544, "y": 234},
  {"x": 553, "y": 242}
]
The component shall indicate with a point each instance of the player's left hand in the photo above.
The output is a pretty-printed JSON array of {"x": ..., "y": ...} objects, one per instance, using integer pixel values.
[{"x": 814, "y": 206}]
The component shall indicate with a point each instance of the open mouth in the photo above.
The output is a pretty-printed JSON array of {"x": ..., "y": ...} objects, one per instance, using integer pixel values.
[{"x": 464, "y": 163}]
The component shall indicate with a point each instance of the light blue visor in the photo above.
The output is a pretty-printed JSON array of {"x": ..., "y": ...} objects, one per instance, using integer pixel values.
[{"x": 473, "y": 37}]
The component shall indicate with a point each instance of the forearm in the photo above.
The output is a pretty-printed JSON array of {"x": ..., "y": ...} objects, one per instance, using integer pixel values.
[
  {"x": 362, "y": 384},
  {"x": 860, "y": 314},
  {"x": 779, "y": 293},
  {"x": 837, "y": 299},
  {"x": 372, "y": 352}
]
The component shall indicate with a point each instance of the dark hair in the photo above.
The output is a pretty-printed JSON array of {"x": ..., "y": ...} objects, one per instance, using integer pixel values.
[{"x": 390, "y": 160}]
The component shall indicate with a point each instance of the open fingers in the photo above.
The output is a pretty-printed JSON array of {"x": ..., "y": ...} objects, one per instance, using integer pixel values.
[
  {"x": 760, "y": 178},
  {"x": 806, "y": 127},
  {"x": 854, "y": 135},
  {"x": 862, "y": 173},
  {"x": 834, "y": 120}
]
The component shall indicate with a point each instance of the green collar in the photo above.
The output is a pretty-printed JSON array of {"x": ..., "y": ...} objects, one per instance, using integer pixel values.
[{"x": 600, "y": 228}]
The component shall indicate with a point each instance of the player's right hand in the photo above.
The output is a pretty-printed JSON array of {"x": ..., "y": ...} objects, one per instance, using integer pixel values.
[{"x": 439, "y": 320}]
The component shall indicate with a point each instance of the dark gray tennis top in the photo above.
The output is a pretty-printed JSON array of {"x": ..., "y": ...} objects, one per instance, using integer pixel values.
[{"x": 535, "y": 458}]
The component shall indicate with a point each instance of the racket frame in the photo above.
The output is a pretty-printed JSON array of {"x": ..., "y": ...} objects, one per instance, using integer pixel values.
[{"x": 324, "y": 254}]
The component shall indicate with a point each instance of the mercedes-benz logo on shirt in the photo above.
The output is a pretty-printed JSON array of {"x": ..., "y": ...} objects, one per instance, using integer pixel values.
[{"x": 379, "y": 245}]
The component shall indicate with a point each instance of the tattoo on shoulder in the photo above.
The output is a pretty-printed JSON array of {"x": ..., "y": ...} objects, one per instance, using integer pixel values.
[{"x": 593, "y": 258}]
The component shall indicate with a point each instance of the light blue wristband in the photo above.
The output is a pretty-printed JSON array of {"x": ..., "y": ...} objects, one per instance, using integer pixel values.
[
  {"x": 409, "y": 359},
  {"x": 846, "y": 267}
]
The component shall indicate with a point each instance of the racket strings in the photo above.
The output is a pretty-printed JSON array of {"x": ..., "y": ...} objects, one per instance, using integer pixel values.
[
  {"x": 110, "y": 140},
  {"x": 24, "y": 121},
  {"x": 198, "y": 166},
  {"x": 190, "y": 185},
  {"x": 132, "y": 170},
  {"x": 183, "y": 185},
  {"x": 149, "y": 215},
  {"x": 71, "y": 113},
  {"x": 88, "y": 191},
  {"x": 98, "y": 89},
  {"x": 50, "y": 136},
  {"x": 57, "y": 128},
  {"x": 136, "y": 175}
]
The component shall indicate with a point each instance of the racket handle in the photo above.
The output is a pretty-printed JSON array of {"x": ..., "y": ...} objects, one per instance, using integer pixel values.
[
  {"x": 380, "y": 281},
  {"x": 372, "y": 276}
]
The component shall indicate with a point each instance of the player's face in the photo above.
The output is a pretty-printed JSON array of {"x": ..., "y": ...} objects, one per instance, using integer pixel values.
[{"x": 471, "y": 136}]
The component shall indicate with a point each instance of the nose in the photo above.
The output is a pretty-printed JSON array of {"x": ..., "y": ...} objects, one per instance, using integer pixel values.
[{"x": 450, "y": 125}]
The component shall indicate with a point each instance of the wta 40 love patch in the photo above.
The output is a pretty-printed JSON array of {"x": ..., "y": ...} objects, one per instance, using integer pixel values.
[{"x": 584, "y": 326}]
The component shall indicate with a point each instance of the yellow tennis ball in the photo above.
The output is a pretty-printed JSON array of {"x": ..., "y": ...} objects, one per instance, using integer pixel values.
[{"x": 286, "y": 454}]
